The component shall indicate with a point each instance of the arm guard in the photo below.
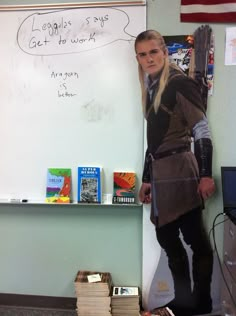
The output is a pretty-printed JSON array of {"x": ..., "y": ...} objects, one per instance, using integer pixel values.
[
  {"x": 146, "y": 169},
  {"x": 203, "y": 151}
]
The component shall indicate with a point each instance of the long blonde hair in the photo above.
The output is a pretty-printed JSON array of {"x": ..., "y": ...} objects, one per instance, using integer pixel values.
[{"x": 145, "y": 36}]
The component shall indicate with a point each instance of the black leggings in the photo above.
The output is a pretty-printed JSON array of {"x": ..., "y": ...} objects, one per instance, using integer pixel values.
[{"x": 194, "y": 234}]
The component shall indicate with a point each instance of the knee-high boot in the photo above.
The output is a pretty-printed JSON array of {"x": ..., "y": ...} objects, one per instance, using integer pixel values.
[
  {"x": 181, "y": 305},
  {"x": 202, "y": 276},
  {"x": 182, "y": 283}
]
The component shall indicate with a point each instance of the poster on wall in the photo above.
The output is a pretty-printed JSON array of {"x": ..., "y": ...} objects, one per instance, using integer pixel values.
[
  {"x": 230, "y": 46},
  {"x": 181, "y": 52}
]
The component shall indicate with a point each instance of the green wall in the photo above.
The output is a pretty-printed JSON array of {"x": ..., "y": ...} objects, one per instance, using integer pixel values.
[{"x": 42, "y": 247}]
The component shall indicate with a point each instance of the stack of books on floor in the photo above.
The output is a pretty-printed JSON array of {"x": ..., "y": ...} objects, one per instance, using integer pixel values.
[
  {"x": 125, "y": 301},
  {"x": 93, "y": 291}
]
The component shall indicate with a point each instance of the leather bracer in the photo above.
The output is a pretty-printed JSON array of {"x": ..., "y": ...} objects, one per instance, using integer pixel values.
[
  {"x": 146, "y": 169},
  {"x": 203, "y": 150}
]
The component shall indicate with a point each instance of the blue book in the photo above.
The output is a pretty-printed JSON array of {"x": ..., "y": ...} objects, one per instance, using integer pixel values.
[{"x": 89, "y": 185}]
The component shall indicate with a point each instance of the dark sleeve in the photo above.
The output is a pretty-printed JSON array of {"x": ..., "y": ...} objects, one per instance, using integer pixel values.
[{"x": 146, "y": 169}]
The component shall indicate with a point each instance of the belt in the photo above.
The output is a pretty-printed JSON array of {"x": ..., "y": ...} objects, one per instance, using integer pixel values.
[{"x": 170, "y": 152}]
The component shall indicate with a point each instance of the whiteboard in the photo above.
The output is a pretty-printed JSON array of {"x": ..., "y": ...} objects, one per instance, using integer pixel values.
[{"x": 69, "y": 96}]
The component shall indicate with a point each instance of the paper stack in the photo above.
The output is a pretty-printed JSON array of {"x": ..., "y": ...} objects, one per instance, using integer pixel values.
[
  {"x": 93, "y": 293},
  {"x": 125, "y": 301}
]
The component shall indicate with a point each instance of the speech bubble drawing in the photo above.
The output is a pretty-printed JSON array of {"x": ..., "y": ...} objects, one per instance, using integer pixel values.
[{"x": 72, "y": 31}]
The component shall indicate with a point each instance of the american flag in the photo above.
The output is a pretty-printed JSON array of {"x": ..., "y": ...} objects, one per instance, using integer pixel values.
[{"x": 216, "y": 11}]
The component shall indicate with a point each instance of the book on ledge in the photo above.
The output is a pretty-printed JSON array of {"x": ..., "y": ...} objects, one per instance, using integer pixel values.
[
  {"x": 89, "y": 184},
  {"x": 58, "y": 188},
  {"x": 124, "y": 187}
]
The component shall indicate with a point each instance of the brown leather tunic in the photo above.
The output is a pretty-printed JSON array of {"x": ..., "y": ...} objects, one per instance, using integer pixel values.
[{"x": 174, "y": 178}]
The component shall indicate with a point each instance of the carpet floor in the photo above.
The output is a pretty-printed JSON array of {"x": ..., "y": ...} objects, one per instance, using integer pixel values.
[{"x": 22, "y": 311}]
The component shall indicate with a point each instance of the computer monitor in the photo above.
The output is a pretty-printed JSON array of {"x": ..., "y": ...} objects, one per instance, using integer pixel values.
[{"x": 228, "y": 177}]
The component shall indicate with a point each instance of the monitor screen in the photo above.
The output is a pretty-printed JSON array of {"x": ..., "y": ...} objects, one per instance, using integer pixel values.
[{"x": 228, "y": 176}]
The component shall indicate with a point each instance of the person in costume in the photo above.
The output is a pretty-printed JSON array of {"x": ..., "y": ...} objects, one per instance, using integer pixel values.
[{"x": 175, "y": 180}]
